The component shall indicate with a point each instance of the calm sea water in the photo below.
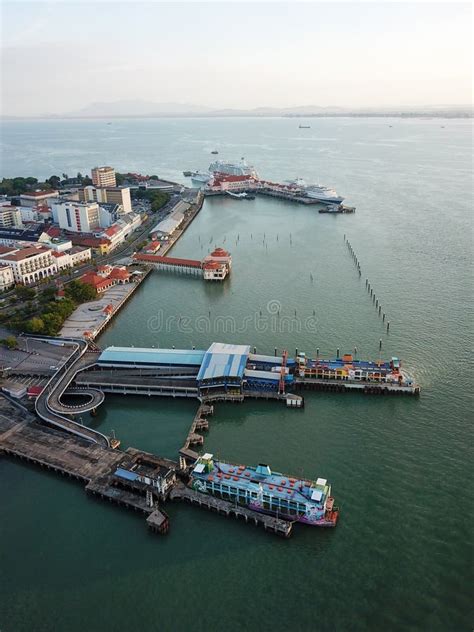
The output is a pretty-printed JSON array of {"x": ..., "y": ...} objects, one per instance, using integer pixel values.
[{"x": 401, "y": 556}]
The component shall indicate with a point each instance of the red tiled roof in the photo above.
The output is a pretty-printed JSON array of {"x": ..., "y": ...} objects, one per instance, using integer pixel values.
[
  {"x": 26, "y": 252},
  {"x": 53, "y": 231},
  {"x": 91, "y": 242},
  {"x": 117, "y": 273},
  {"x": 222, "y": 177},
  {"x": 95, "y": 280},
  {"x": 220, "y": 252},
  {"x": 111, "y": 231},
  {"x": 37, "y": 194},
  {"x": 211, "y": 265},
  {"x": 192, "y": 263}
]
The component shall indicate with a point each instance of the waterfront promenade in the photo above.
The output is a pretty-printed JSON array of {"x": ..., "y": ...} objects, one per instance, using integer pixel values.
[{"x": 89, "y": 319}]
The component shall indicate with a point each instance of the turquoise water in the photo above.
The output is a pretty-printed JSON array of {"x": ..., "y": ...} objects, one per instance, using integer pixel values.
[{"x": 401, "y": 555}]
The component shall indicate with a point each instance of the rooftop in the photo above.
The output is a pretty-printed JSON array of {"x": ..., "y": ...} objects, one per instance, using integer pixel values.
[
  {"x": 26, "y": 253},
  {"x": 39, "y": 194},
  {"x": 262, "y": 478},
  {"x": 224, "y": 360},
  {"x": 147, "y": 356},
  {"x": 192, "y": 263}
]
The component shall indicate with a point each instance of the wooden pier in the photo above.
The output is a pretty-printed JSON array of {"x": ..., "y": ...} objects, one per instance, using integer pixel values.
[
  {"x": 199, "y": 424},
  {"x": 226, "y": 508},
  {"x": 76, "y": 458},
  {"x": 98, "y": 466}
]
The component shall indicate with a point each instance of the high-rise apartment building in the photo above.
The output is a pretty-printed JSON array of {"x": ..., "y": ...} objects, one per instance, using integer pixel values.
[
  {"x": 78, "y": 217},
  {"x": 103, "y": 177},
  {"x": 110, "y": 195}
]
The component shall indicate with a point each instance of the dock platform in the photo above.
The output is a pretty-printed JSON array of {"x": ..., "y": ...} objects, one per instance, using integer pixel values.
[{"x": 226, "y": 508}]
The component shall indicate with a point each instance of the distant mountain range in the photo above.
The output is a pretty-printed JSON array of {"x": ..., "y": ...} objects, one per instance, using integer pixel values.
[{"x": 136, "y": 108}]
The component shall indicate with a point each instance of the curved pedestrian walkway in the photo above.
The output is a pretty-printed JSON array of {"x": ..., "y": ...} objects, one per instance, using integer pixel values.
[
  {"x": 94, "y": 399},
  {"x": 48, "y": 405}
]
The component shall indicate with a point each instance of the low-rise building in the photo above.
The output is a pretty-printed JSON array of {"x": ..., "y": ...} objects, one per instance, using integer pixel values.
[
  {"x": 106, "y": 277},
  {"x": 79, "y": 254},
  {"x": 35, "y": 198},
  {"x": 32, "y": 234},
  {"x": 98, "y": 245},
  {"x": 152, "y": 247},
  {"x": 118, "y": 232},
  {"x": 98, "y": 282},
  {"x": 166, "y": 228},
  {"x": 217, "y": 265},
  {"x": 109, "y": 214},
  {"x": 222, "y": 182},
  {"x": 6, "y": 277},
  {"x": 29, "y": 264},
  {"x": 59, "y": 245},
  {"x": 62, "y": 259}
]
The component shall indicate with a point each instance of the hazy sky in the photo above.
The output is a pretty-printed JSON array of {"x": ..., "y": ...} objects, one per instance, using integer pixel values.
[{"x": 61, "y": 56}]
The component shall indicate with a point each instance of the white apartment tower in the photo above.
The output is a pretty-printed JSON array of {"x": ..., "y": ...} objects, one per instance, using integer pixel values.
[{"x": 78, "y": 217}]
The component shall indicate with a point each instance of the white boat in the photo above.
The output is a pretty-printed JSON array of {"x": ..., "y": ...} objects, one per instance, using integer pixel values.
[
  {"x": 237, "y": 195},
  {"x": 323, "y": 194},
  {"x": 201, "y": 177}
]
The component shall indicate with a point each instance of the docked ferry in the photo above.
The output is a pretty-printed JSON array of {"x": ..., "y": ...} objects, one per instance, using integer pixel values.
[{"x": 260, "y": 489}]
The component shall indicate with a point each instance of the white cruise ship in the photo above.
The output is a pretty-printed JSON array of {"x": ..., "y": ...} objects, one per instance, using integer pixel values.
[
  {"x": 323, "y": 194},
  {"x": 228, "y": 168},
  {"x": 233, "y": 168}
]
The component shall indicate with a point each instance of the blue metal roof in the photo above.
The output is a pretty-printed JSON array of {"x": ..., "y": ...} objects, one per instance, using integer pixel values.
[
  {"x": 224, "y": 360},
  {"x": 142, "y": 356},
  {"x": 130, "y": 476}
]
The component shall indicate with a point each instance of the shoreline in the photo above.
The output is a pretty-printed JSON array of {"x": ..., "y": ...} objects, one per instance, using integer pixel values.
[{"x": 101, "y": 321}]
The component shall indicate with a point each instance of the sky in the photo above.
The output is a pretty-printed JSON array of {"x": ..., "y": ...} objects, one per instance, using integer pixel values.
[{"x": 59, "y": 57}]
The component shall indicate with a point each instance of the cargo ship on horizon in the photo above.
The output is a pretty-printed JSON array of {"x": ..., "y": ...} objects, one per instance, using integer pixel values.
[{"x": 264, "y": 491}]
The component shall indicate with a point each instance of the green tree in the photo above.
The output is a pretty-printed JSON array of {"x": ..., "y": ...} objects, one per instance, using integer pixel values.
[
  {"x": 54, "y": 182},
  {"x": 52, "y": 323},
  {"x": 47, "y": 294},
  {"x": 80, "y": 292},
  {"x": 24, "y": 293},
  {"x": 10, "y": 342},
  {"x": 35, "y": 325}
]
